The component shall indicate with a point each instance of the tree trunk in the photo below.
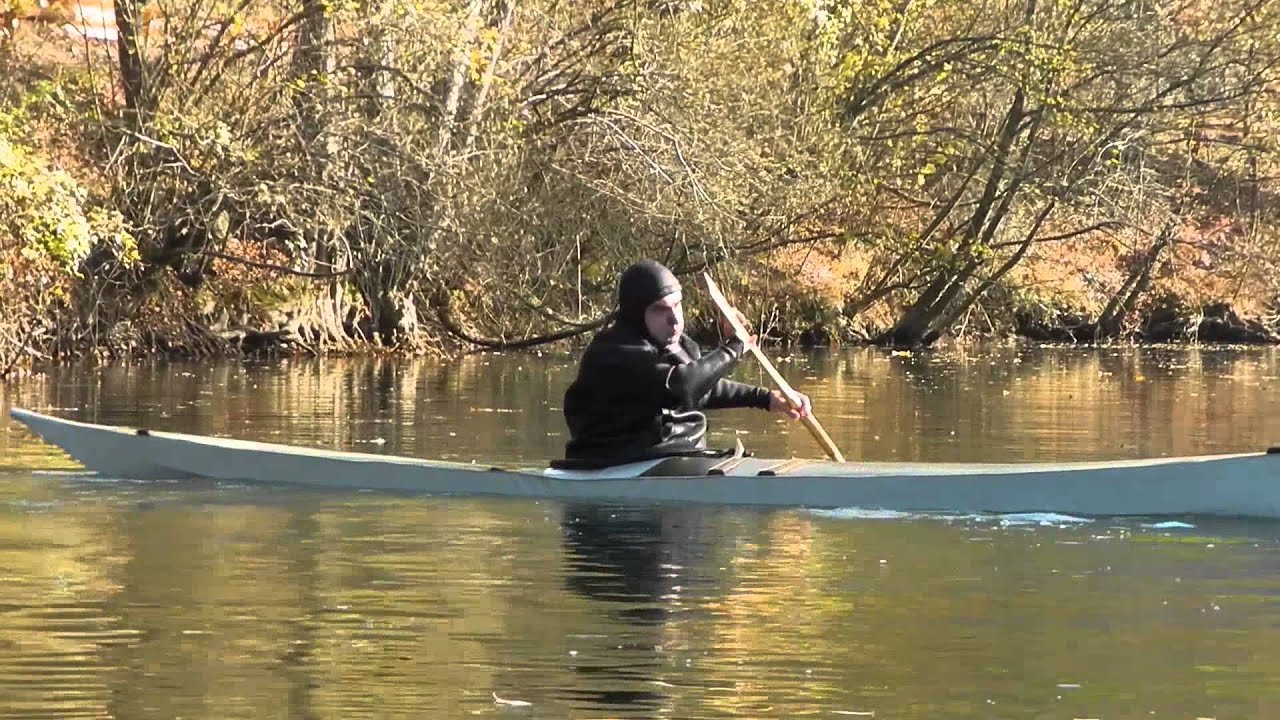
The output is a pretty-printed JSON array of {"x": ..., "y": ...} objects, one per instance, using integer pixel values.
[
  {"x": 916, "y": 322},
  {"x": 314, "y": 64},
  {"x": 378, "y": 76},
  {"x": 504, "y": 14},
  {"x": 458, "y": 78},
  {"x": 1114, "y": 315},
  {"x": 133, "y": 66},
  {"x": 958, "y": 309}
]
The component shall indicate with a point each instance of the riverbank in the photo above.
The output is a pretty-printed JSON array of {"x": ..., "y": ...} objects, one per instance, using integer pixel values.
[{"x": 425, "y": 183}]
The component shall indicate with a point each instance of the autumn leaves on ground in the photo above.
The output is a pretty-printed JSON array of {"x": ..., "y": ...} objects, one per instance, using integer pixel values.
[{"x": 205, "y": 177}]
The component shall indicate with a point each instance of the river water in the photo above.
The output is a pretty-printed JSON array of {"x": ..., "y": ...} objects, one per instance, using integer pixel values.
[{"x": 204, "y": 600}]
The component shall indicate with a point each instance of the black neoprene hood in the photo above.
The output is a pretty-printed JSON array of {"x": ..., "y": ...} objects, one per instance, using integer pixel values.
[{"x": 641, "y": 285}]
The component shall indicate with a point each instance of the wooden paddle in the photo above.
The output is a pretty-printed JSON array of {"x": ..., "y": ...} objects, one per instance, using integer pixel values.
[{"x": 810, "y": 422}]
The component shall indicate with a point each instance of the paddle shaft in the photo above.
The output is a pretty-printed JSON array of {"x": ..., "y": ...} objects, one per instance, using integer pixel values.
[
  {"x": 815, "y": 428},
  {"x": 810, "y": 422}
]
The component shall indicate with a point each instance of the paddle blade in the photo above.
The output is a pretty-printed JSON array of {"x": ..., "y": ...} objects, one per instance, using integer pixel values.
[
  {"x": 726, "y": 310},
  {"x": 810, "y": 422}
]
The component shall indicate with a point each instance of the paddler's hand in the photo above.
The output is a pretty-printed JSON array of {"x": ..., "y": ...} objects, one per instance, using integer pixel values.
[
  {"x": 778, "y": 404},
  {"x": 726, "y": 328}
]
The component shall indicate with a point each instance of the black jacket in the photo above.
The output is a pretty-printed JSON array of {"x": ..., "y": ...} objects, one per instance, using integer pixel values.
[{"x": 632, "y": 399}]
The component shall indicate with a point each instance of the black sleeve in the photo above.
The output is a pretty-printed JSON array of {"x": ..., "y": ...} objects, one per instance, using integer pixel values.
[
  {"x": 692, "y": 382},
  {"x": 730, "y": 394},
  {"x": 684, "y": 385}
]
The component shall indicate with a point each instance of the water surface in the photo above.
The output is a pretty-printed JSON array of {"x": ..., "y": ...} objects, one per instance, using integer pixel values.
[{"x": 209, "y": 600}]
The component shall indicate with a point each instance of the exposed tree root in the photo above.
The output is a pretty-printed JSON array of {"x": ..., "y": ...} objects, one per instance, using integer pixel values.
[{"x": 447, "y": 321}]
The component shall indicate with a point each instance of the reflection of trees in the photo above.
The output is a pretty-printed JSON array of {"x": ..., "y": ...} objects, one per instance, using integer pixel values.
[
  {"x": 310, "y": 608},
  {"x": 480, "y": 407},
  {"x": 1018, "y": 404},
  {"x": 318, "y": 604},
  {"x": 1022, "y": 403},
  {"x": 56, "y": 629},
  {"x": 297, "y": 660},
  {"x": 1002, "y": 403},
  {"x": 212, "y": 627},
  {"x": 19, "y": 449},
  {"x": 932, "y": 611}
]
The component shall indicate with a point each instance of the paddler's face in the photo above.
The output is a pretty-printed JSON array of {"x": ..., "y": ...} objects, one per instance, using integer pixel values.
[{"x": 664, "y": 319}]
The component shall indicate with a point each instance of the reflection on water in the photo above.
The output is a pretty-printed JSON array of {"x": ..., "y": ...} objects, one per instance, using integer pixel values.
[
  {"x": 207, "y": 600},
  {"x": 1000, "y": 403},
  {"x": 620, "y": 556},
  {"x": 217, "y": 602}
]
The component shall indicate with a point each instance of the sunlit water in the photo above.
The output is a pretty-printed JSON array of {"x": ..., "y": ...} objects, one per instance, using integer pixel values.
[{"x": 205, "y": 600}]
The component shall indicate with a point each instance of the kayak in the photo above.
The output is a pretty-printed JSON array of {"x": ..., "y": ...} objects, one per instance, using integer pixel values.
[{"x": 1246, "y": 484}]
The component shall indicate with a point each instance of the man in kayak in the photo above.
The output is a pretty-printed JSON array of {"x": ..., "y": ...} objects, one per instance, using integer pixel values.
[{"x": 642, "y": 384}]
